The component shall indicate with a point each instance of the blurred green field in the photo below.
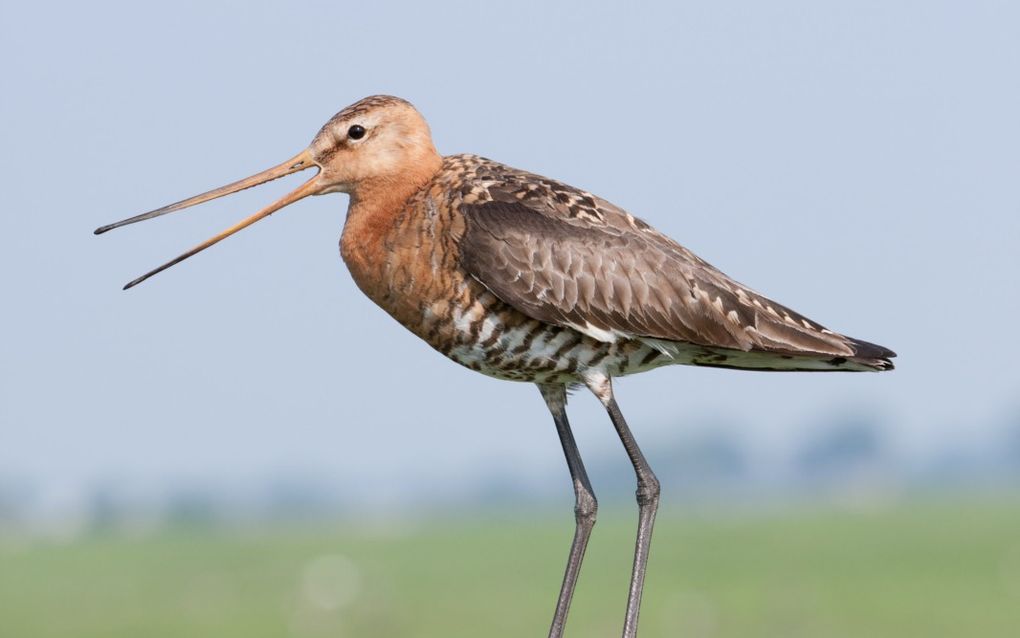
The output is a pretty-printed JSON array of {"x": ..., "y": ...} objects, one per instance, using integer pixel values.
[{"x": 917, "y": 570}]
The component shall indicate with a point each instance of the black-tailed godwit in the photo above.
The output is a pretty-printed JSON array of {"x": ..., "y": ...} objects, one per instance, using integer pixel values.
[{"x": 524, "y": 278}]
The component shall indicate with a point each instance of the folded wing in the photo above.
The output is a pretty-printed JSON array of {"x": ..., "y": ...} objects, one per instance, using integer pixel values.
[{"x": 612, "y": 276}]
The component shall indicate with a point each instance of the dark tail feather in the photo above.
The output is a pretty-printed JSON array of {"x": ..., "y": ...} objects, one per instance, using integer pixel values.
[{"x": 871, "y": 354}]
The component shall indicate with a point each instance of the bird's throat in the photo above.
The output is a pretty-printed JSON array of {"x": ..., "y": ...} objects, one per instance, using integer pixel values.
[{"x": 375, "y": 208}]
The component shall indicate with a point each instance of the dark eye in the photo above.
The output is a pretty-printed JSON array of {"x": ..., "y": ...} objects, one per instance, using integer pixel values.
[{"x": 356, "y": 132}]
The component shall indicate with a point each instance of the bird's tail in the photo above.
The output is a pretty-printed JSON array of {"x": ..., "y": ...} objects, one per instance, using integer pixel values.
[
  {"x": 866, "y": 357},
  {"x": 871, "y": 356}
]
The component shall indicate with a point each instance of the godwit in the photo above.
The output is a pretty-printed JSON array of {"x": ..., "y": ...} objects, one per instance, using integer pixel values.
[{"x": 524, "y": 278}]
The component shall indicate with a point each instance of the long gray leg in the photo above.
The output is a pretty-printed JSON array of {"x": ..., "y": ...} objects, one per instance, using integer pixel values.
[
  {"x": 647, "y": 498},
  {"x": 585, "y": 506}
]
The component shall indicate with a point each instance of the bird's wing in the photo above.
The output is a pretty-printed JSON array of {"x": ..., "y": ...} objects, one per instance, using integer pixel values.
[{"x": 568, "y": 258}]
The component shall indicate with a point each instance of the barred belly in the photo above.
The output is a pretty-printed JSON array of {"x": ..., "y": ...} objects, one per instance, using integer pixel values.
[{"x": 489, "y": 336}]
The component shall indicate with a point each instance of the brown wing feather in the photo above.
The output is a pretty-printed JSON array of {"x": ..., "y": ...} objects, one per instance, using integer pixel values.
[{"x": 568, "y": 258}]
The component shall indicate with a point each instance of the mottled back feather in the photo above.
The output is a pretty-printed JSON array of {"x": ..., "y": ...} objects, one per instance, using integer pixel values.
[{"x": 566, "y": 257}]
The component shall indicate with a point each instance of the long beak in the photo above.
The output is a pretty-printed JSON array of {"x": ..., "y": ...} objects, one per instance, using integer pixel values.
[{"x": 299, "y": 162}]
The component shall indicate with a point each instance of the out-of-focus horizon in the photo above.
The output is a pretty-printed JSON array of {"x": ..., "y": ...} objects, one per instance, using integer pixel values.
[
  {"x": 847, "y": 463},
  {"x": 858, "y": 163}
]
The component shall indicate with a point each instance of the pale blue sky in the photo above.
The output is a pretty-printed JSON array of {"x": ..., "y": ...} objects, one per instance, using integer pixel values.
[{"x": 859, "y": 162}]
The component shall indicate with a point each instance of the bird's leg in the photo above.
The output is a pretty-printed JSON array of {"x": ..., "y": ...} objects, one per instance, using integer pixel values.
[
  {"x": 585, "y": 505},
  {"x": 647, "y": 498}
]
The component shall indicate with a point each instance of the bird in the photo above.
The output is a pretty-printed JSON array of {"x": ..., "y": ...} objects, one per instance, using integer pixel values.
[{"x": 525, "y": 278}]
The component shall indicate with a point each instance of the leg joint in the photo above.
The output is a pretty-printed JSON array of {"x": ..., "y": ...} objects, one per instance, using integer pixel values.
[
  {"x": 648, "y": 490},
  {"x": 586, "y": 507}
]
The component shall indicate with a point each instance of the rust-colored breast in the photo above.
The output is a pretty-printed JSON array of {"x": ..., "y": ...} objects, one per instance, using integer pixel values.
[{"x": 410, "y": 265}]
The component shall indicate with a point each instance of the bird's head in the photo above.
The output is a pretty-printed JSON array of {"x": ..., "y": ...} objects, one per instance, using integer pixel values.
[
  {"x": 371, "y": 145},
  {"x": 380, "y": 138}
]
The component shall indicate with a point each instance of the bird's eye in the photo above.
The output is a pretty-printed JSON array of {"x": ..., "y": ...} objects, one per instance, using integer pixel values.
[{"x": 356, "y": 132}]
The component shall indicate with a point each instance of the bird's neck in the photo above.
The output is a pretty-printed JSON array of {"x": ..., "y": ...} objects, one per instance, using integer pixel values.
[{"x": 375, "y": 205}]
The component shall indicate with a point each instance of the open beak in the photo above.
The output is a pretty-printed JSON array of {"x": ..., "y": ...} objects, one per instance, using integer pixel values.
[{"x": 299, "y": 162}]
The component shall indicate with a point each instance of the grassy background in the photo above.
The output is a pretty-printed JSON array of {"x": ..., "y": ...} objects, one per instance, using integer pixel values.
[{"x": 949, "y": 569}]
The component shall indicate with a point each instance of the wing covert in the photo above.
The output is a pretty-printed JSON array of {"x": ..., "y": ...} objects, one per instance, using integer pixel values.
[{"x": 610, "y": 275}]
